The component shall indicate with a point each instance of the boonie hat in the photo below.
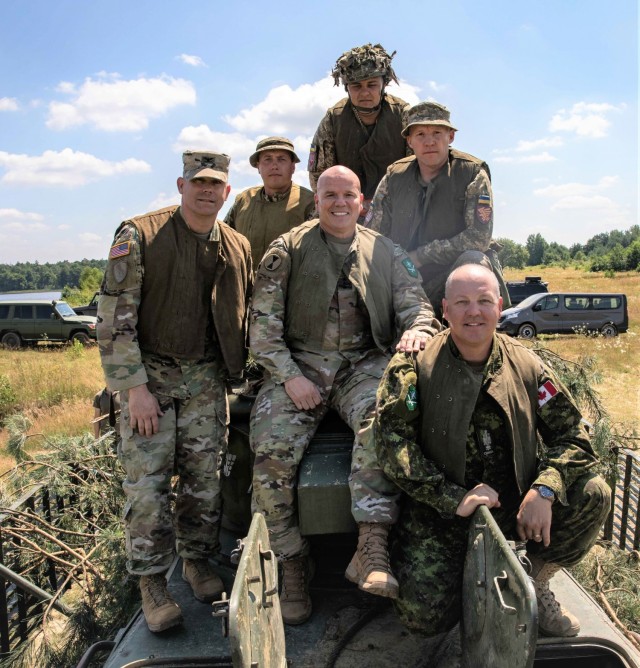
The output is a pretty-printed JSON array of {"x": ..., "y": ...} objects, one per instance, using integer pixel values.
[
  {"x": 364, "y": 62},
  {"x": 427, "y": 113},
  {"x": 201, "y": 164},
  {"x": 273, "y": 144}
]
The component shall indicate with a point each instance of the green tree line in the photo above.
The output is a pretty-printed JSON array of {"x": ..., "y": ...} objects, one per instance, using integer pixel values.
[
  {"x": 48, "y": 276},
  {"x": 607, "y": 251}
]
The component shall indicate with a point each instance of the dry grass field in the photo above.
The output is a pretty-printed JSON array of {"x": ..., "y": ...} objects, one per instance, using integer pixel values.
[{"x": 618, "y": 358}]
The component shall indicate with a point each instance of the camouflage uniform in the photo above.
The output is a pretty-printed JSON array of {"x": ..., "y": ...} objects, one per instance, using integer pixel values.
[
  {"x": 192, "y": 433},
  {"x": 346, "y": 370},
  {"x": 430, "y": 541}
]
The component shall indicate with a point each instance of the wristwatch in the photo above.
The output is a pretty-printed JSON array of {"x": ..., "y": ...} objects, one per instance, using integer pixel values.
[{"x": 545, "y": 492}]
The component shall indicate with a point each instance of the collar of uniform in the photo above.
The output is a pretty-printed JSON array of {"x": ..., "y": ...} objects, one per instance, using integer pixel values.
[
  {"x": 214, "y": 235},
  {"x": 276, "y": 197},
  {"x": 354, "y": 242},
  {"x": 493, "y": 363}
]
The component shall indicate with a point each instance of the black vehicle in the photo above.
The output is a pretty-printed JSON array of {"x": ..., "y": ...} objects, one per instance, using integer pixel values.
[
  {"x": 89, "y": 309},
  {"x": 519, "y": 290}
]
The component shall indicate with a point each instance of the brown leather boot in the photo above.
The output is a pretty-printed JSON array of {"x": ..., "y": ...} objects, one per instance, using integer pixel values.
[
  {"x": 206, "y": 584},
  {"x": 160, "y": 610},
  {"x": 295, "y": 602},
  {"x": 553, "y": 619},
  {"x": 369, "y": 568}
]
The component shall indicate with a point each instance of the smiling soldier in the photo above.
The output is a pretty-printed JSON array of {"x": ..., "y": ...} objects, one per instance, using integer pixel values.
[{"x": 172, "y": 321}]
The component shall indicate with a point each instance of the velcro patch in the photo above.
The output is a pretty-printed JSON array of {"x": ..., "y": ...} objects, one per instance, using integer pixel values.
[
  {"x": 271, "y": 262},
  {"x": 120, "y": 250},
  {"x": 546, "y": 392},
  {"x": 313, "y": 158},
  {"x": 410, "y": 267},
  {"x": 411, "y": 400}
]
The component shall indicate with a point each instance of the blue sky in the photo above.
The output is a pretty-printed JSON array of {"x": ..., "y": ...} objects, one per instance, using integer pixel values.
[{"x": 99, "y": 99}]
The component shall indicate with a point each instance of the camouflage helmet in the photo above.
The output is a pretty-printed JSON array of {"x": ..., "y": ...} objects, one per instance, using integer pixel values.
[
  {"x": 364, "y": 62},
  {"x": 427, "y": 113}
]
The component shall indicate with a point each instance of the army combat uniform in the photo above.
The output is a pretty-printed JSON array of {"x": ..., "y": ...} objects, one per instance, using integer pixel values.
[
  {"x": 173, "y": 315},
  {"x": 444, "y": 426},
  {"x": 325, "y": 310}
]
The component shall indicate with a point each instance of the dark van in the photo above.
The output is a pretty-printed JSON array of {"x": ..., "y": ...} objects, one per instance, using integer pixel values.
[{"x": 559, "y": 312}]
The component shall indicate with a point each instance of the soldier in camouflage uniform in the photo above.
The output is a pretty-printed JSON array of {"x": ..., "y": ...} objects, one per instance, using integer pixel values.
[
  {"x": 325, "y": 316},
  {"x": 362, "y": 131},
  {"x": 265, "y": 212},
  {"x": 437, "y": 204},
  {"x": 172, "y": 327},
  {"x": 457, "y": 426}
]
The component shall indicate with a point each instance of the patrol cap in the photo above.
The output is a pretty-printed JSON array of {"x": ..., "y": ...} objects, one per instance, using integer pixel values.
[
  {"x": 273, "y": 144},
  {"x": 427, "y": 113},
  {"x": 201, "y": 164},
  {"x": 364, "y": 62}
]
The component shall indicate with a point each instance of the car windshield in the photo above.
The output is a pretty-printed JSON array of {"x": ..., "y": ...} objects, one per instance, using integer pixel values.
[
  {"x": 64, "y": 310},
  {"x": 530, "y": 300}
]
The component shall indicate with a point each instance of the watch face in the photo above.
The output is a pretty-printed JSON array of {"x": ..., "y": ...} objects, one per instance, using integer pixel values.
[{"x": 546, "y": 492}]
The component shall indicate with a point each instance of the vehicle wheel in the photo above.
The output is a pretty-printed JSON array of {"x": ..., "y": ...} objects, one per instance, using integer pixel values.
[
  {"x": 609, "y": 330},
  {"x": 11, "y": 340},
  {"x": 527, "y": 331},
  {"x": 82, "y": 338}
]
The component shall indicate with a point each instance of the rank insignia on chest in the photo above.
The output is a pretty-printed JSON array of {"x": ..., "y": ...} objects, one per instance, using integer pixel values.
[
  {"x": 546, "y": 391},
  {"x": 411, "y": 401},
  {"x": 120, "y": 250},
  {"x": 410, "y": 267}
]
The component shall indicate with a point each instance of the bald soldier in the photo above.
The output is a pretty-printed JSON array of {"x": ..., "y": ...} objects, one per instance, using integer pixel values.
[
  {"x": 264, "y": 212},
  {"x": 172, "y": 326},
  {"x": 437, "y": 204},
  {"x": 331, "y": 301},
  {"x": 363, "y": 130},
  {"x": 459, "y": 425}
]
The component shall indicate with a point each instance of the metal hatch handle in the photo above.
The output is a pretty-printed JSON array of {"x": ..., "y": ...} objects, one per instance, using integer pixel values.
[
  {"x": 507, "y": 609},
  {"x": 271, "y": 583}
]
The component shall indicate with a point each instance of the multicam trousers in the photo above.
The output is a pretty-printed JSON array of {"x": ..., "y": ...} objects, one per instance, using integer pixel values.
[
  {"x": 191, "y": 437},
  {"x": 280, "y": 434},
  {"x": 428, "y": 551}
]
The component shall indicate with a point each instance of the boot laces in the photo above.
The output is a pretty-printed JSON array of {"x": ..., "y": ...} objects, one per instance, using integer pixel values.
[
  {"x": 374, "y": 550},
  {"x": 547, "y": 598},
  {"x": 293, "y": 582},
  {"x": 157, "y": 588}
]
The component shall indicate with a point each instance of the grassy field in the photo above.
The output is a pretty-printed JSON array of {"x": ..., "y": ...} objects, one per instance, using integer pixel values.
[{"x": 54, "y": 385}]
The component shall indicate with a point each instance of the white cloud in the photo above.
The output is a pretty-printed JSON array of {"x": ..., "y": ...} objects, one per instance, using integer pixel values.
[
  {"x": 17, "y": 215},
  {"x": 535, "y": 144},
  {"x": 163, "y": 200},
  {"x": 593, "y": 203},
  {"x": 90, "y": 237},
  {"x": 545, "y": 156},
  {"x": 64, "y": 168},
  {"x": 194, "y": 61},
  {"x": 584, "y": 119},
  {"x": 112, "y": 104},
  {"x": 8, "y": 104},
  {"x": 571, "y": 190},
  {"x": 63, "y": 227}
]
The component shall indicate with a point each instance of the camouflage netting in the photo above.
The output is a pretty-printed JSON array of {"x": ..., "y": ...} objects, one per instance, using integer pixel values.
[{"x": 364, "y": 62}]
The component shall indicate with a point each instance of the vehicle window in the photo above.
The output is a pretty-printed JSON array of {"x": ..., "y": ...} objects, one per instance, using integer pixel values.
[
  {"x": 64, "y": 309},
  {"x": 550, "y": 303},
  {"x": 23, "y": 311},
  {"x": 576, "y": 303},
  {"x": 606, "y": 302},
  {"x": 4, "y": 311},
  {"x": 43, "y": 311}
]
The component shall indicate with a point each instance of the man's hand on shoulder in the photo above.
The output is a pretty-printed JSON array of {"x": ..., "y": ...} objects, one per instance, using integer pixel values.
[
  {"x": 480, "y": 495},
  {"x": 144, "y": 411},
  {"x": 304, "y": 394},
  {"x": 534, "y": 518},
  {"x": 412, "y": 341}
]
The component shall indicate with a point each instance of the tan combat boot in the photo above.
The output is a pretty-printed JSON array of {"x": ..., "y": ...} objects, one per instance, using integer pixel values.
[
  {"x": 159, "y": 608},
  {"x": 369, "y": 568},
  {"x": 206, "y": 585},
  {"x": 295, "y": 602},
  {"x": 553, "y": 619}
]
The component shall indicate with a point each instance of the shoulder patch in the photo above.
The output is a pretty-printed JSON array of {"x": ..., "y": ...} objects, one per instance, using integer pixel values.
[
  {"x": 410, "y": 267},
  {"x": 411, "y": 400},
  {"x": 368, "y": 217},
  {"x": 120, "y": 270},
  {"x": 313, "y": 158},
  {"x": 271, "y": 261},
  {"x": 120, "y": 250},
  {"x": 484, "y": 211},
  {"x": 546, "y": 391}
]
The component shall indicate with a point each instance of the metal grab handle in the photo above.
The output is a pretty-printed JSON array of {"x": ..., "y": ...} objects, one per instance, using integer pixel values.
[
  {"x": 509, "y": 610},
  {"x": 269, "y": 555}
]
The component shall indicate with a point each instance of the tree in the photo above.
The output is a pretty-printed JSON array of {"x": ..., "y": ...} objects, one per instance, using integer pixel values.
[
  {"x": 512, "y": 254},
  {"x": 536, "y": 246}
]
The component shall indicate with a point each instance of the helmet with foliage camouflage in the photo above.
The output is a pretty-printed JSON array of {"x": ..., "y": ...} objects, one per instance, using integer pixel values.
[{"x": 364, "y": 62}]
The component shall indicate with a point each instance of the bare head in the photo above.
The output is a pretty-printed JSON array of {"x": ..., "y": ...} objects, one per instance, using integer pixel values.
[{"x": 339, "y": 201}]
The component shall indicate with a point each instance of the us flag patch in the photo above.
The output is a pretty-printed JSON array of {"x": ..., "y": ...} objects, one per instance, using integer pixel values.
[
  {"x": 120, "y": 250},
  {"x": 545, "y": 392}
]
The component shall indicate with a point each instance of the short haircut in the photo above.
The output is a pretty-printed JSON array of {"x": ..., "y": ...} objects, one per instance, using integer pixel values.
[{"x": 480, "y": 268}]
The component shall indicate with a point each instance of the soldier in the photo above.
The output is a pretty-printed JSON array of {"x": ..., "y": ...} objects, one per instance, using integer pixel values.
[
  {"x": 106, "y": 412},
  {"x": 172, "y": 325},
  {"x": 363, "y": 130},
  {"x": 265, "y": 212},
  {"x": 457, "y": 426},
  {"x": 437, "y": 204},
  {"x": 331, "y": 300}
]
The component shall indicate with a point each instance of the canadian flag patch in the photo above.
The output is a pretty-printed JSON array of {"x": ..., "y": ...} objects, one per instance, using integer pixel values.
[{"x": 546, "y": 392}]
